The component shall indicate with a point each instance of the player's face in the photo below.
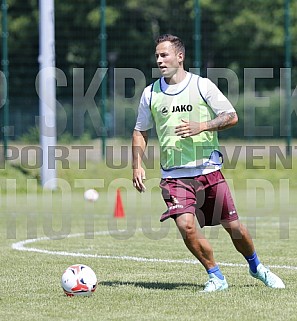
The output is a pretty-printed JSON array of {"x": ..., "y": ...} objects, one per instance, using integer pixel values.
[{"x": 168, "y": 59}]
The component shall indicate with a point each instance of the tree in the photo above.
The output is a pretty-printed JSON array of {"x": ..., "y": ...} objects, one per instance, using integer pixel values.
[{"x": 235, "y": 35}]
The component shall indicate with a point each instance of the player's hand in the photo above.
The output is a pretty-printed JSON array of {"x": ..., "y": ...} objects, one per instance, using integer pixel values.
[
  {"x": 188, "y": 128},
  {"x": 138, "y": 178}
]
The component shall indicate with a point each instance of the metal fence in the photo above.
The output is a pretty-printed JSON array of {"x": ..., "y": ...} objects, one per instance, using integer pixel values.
[{"x": 131, "y": 28}]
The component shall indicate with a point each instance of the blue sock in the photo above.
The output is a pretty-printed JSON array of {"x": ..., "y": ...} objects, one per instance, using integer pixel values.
[
  {"x": 217, "y": 272},
  {"x": 253, "y": 262}
]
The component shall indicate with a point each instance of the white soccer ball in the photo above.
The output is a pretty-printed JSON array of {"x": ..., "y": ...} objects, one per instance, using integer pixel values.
[
  {"x": 91, "y": 195},
  {"x": 79, "y": 279}
]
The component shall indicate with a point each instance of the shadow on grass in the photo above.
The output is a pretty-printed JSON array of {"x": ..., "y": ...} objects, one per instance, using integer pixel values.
[
  {"x": 154, "y": 285},
  {"x": 171, "y": 286}
]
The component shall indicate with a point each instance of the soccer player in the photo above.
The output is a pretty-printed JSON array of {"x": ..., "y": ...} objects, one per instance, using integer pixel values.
[{"x": 188, "y": 111}]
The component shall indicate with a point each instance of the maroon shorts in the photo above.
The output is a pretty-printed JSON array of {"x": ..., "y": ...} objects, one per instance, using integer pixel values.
[{"x": 206, "y": 196}]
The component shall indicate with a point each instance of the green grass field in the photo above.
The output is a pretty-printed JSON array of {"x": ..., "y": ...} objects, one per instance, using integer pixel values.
[{"x": 143, "y": 267}]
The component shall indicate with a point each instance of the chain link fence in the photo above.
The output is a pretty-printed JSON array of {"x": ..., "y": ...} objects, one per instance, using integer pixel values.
[{"x": 233, "y": 38}]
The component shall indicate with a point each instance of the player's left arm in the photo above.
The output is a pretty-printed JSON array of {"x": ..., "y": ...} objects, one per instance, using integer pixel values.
[
  {"x": 222, "y": 121},
  {"x": 226, "y": 115}
]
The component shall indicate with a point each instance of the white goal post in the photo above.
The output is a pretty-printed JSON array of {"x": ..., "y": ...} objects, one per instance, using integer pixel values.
[{"x": 47, "y": 93}]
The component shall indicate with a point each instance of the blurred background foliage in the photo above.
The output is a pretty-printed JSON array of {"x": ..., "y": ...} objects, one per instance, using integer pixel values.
[{"x": 238, "y": 35}]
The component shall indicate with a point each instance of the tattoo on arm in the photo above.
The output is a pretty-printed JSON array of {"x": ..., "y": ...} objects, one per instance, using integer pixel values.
[{"x": 222, "y": 121}]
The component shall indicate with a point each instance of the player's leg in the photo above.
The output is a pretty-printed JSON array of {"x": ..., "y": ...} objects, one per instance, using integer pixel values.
[
  {"x": 223, "y": 206},
  {"x": 244, "y": 244},
  {"x": 180, "y": 194},
  {"x": 195, "y": 240},
  {"x": 202, "y": 250},
  {"x": 240, "y": 237}
]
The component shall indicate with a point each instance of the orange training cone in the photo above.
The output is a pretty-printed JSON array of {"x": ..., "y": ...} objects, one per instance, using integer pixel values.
[{"x": 119, "y": 209}]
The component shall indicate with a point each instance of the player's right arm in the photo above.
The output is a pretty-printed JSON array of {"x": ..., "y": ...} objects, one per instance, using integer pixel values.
[
  {"x": 139, "y": 139},
  {"x": 139, "y": 142}
]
